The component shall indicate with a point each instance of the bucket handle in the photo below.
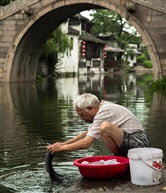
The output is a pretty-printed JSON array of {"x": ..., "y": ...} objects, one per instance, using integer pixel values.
[{"x": 155, "y": 168}]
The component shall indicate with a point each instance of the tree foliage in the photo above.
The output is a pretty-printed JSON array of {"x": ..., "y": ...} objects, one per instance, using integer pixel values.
[
  {"x": 144, "y": 59},
  {"x": 109, "y": 23},
  {"x": 159, "y": 85},
  {"x": 57, "y": 43}
]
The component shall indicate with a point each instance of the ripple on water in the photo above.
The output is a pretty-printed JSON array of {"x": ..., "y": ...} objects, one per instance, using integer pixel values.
[{"x": 37, "y": 180}]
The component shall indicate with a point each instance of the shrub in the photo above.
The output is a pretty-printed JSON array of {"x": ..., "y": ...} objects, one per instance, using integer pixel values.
[
  {"x": 148, "y": 64},
  {"x": 159, "y": 85},
  {"x": 141, "y": 58}
]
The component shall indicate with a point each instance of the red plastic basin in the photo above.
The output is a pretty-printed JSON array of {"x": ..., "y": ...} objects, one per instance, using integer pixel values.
[{"x": 102, "y": 170}]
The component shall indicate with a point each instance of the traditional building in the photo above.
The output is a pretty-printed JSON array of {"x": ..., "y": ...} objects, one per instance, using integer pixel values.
[
  {"x": 131, "y": 55},
  {"x": 86, "y": 55},
  {"x": 111, "y": 60},
  {"x": 68, "y": 62},
  {"x": 116, "y": 57},
  {"x": 113, "y": 53},
  {"x": 91, "y": 54}
]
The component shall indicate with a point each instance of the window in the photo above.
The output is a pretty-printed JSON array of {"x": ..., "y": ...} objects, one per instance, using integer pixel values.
[
  {"x": 72, "y": 43},
  {"x": 132, "y": 57}
]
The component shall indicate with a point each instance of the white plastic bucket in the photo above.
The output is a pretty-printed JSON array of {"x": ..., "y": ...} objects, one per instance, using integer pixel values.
[{"x": 145, "y": 165}]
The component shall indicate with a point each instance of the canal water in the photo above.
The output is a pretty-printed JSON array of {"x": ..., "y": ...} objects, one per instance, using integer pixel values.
[{"x": 34, "y": 115}]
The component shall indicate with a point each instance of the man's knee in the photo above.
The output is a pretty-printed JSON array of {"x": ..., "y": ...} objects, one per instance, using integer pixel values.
[{"x": 104, "y": 126}]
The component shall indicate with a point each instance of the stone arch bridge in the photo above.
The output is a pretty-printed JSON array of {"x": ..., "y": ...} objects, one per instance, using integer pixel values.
[{"x": 26, "y": 24}]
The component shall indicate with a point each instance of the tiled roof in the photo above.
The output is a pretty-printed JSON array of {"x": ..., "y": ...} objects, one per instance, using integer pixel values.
[
  {"x": 112, "y": 49},
  {"x": 89, "y": 37},
  {"x": 73, "y": 31}
]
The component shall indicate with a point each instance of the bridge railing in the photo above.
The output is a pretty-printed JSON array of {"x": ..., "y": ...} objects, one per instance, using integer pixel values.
[{"x": 17, "y": 5}]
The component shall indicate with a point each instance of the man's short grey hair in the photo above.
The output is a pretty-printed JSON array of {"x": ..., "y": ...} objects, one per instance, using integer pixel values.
[{"x": 85, "y": 100}]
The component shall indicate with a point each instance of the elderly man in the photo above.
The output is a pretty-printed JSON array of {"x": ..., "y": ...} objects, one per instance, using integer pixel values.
[{"x": 115, "y": 125}]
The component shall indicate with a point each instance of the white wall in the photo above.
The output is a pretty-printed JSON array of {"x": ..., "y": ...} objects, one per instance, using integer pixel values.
[
  {"x": 132, "y": 60},
  {"x": 68, "y": 63}
]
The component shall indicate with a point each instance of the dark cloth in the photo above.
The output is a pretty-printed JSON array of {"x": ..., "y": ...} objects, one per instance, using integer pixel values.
[{"x": 133, "y": 140}]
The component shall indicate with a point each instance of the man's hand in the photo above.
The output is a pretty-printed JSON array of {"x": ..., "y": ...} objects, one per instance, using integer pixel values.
[
  {"x": 66, "y": 146},
  {"x": 55, "y": 147}
]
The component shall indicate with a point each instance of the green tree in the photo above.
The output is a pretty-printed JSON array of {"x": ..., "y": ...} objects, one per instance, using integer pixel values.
[
  {"x": 144, "y": 59},
  {"x": 108, "y": 22},
  {"x": 57, "y": 43}
]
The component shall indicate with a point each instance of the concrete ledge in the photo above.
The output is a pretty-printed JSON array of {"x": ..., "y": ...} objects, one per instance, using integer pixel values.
[{"x": 120, "y": 185}]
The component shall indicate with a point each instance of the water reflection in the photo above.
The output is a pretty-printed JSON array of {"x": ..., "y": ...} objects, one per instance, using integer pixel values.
[
  {"x": 32, "y": 116},
  {"x": 156, "y": 124}
]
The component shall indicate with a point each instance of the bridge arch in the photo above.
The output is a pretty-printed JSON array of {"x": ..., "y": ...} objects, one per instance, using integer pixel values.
[{"x": 23, "y": 54}]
